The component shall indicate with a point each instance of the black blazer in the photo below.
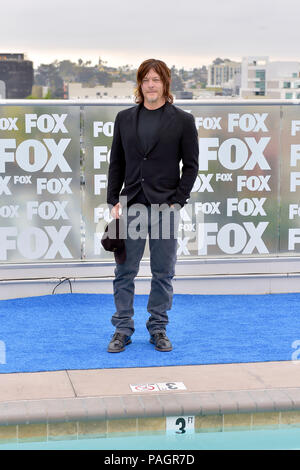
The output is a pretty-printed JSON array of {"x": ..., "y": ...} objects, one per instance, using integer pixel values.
[{"x": 158, "y": 172}]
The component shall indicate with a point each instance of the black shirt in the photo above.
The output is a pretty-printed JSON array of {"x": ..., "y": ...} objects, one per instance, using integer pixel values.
[{"x": 148, "y": 126}]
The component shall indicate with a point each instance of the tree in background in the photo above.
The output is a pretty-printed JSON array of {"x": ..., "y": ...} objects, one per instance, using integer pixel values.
[
  {"x": 48, "y": 75},
  {"x": 177, "y": 82},
  {"x": 57, "y": 73}
]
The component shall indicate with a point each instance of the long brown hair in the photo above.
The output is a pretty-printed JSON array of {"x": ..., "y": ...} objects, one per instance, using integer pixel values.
[{"x": 163, "y": 71}]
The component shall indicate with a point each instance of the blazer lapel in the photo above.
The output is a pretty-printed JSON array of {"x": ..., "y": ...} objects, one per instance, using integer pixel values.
[
  {"x": 135, "y": 126},
  {"x": 166, "y": 119}
]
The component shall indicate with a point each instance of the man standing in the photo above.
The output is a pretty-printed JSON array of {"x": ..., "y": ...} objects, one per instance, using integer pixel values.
[{"x": 150, "y": 140}]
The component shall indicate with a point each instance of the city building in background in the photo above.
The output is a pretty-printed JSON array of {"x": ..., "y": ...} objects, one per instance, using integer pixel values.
[
  {"x": 118, "y": 90},
  {"x": 225, "y": 74},
  {"x": 253, "y": 78},
  {"x": 2, "y": 90},
  {"x": 39, "y": 91},
  {"x": 272, "y": 80},
  {"x": 17, "y": 75}
]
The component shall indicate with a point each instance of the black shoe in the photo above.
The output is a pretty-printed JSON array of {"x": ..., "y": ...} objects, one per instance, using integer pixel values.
[
  {"x": 161, "y": 341},
  {"x": 118, "y": 342}
]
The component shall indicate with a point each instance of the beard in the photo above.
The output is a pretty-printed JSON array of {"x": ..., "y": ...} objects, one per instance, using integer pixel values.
[{"x": 152, "y": 99}]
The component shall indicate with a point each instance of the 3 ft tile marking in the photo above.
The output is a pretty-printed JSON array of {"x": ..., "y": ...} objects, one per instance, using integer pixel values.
[{"x": 180, "y": 424}]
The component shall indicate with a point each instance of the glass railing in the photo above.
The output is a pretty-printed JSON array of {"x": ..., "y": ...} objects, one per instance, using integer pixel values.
[{"x": 54, "y": 158}]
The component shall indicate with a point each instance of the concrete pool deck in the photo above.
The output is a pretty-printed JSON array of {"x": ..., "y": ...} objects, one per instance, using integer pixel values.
[{"x": 265, "y": 393}]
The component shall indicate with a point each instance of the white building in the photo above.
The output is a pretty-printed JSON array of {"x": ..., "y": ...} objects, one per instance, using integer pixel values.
[
  {"x": 223, "y": 74},
  {"x": 284, "y": 81},
  {"x": 118, "y": 90},
  {"x": 262, "y": 78}
]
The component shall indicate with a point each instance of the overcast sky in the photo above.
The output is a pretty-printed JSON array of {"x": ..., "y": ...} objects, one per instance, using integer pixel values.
[{"x": 189, "y": 33}]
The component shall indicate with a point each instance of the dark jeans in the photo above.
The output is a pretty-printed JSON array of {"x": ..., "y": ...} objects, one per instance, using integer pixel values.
[{"x": 161, "y": 226}]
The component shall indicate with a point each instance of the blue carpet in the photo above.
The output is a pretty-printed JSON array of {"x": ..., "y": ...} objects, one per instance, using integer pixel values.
[{"x": 71, "y": 331}]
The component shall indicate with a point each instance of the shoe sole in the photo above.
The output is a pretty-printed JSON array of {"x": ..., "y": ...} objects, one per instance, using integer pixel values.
[
  {"x": 160, "y": 349},
  {"x": 119, "y": 350}
]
